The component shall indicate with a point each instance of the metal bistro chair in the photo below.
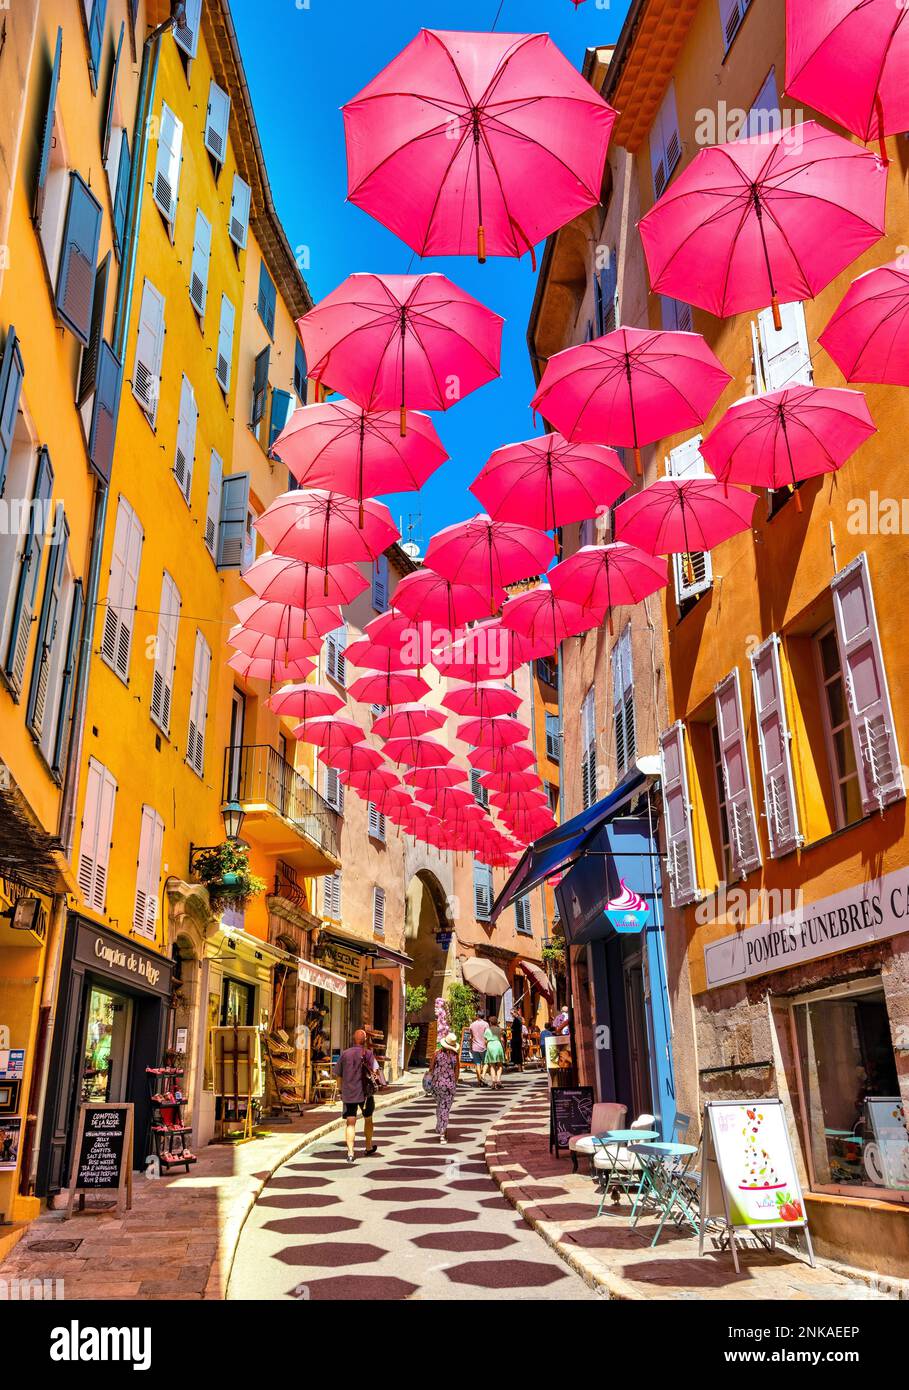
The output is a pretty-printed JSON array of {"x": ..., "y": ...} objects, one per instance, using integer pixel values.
[
  {"x": 607, "y": 1114},
  {"x": 619, "y": 1164},
  {"x": 325, "y": 1083}
]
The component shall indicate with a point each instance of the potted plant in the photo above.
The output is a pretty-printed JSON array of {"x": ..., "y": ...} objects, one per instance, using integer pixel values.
[
  {"x": 414, "y": 998},
  {"x": 462, "y": 1007},
  {"x": 224, "y": 870}
]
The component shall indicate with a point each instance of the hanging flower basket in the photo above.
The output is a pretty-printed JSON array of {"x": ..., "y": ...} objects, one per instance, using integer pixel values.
[{"x": 224, "y": 870}]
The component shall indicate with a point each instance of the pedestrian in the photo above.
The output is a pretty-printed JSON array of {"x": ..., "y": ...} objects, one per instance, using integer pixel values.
[
  {"x": 478, "y": 1045},
  {"x": 357, "y": 1066},
  {"x": 443, "y": 1078},
  {"x": 517, "y": 1040},
  {"x": 546, "y": 1032},
  {"x": 495, "y": 1051}
]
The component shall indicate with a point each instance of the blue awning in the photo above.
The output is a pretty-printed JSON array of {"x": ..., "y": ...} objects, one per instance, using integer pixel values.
[{"x": 554, "y": 852}]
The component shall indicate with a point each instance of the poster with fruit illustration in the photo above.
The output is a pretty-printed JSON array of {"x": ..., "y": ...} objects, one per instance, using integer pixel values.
[{"x": 749, "y": 1159}]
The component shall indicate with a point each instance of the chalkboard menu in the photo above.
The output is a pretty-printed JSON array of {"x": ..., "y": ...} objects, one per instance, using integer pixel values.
[
  {"x": 571, "y": 1112},
  {"x": 102, "y": 1157},
  {"x": 466, "y": 1059}
]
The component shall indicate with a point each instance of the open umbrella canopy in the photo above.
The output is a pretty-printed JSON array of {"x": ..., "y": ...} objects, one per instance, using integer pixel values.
[
  {"x": 325, "y": 527},
  {"x": 545, "y": 619},
  {"x": 411, "y": 640},
  {"x": 271, "y": 648},
  {"x": 849, "y": 59},
  {"x": 515, "y": 759},
  {"x": 394, "y": 341},
  {"x": 341, "y": 446},
  {"x": 500, "y": 732},
  {"x": 408, "y": 721},
  {"x": 768, "y": 219},
  {"x": 284, "y": 619},
  {"x": 868, "y": 336},
  {"x": 449, "y": 802},
  {"x": 430, "y": 597},
  {"x": 330, "y": 732},
  {"x": 303, "y": 701},
  {"x": 684, "y": 515},
  {"x": 417, "y": 752},
  {"x": 483, "y": 551},
  {"x": 631, "y": 386},
  {"x": 511, "y": 783},
  {"x": 452, "y": 145},
  {"x": 529, "y": 800},
  {"x": 548, "y": 482},
  {"x": 389, "y": 688},
  {"x": 280, "y": 580},
  {"x": 374, "y": 656},
  {"x": 434, "y": 779},
  {"x": 777, "y": 439},
  {"x": 473, "y": 658},
  {"x": 603, "y": 577},
  {"x": 485, "y": 976},
  {"x": 269, "y": 669},
  {"x": 482, "y": 701},
  {"x": 371, "y": 782},
  {"x": 355, "y": 757}
]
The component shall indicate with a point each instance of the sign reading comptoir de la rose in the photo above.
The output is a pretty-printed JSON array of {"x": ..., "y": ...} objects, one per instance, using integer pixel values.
[{"x": 868, "y": 912}]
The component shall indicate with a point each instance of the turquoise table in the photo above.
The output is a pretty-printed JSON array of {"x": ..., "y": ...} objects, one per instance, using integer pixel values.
[
  {"x": 664, "y": 1167},
  {"x": 621, "y": 1174}
]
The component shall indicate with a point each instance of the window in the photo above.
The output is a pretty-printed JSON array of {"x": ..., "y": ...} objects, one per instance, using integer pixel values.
[
  {"x": 165, "y": 653},
  {"x": 186, "y": 34},
  {"x": 552, "y": 797},
  {"x": 112, "y": 107},
  {"x": 213, "y": 502},
  {"x": 185, "y": 453},
  {"x": 300, "y": 372},
  {"x": 198, "y": 706},
  {"x": 149, "y": 351},
  {"x": 95, "y": 839},
  {"x": 103, "y": 431},
  {"x": 148, "y": 873},
  {"x": 232, "y": 520},
  {"x": 676, "y": 315},
  {"x": 606, "y": 295},
  {"x": 774, "y": 738},
  {"x": 225, "y": 345},
  {"x": 522, "y": 921},
  {"x": 840, "y": 748},
  {"x": 249, "y": 539},
  {"x": 167, "y": 165},
  {"x": 238, "y": 225},
  {"x": 376, "y": 822},
  {"x": 725, "y": 842},
  {"x": 78, "y": 257},
  {"x": 12, "y": 372},
  {"x": 548, "y": 671},
  {"x": 378, "y": 911},
  {"x": 693, "y": 573},
  {"x": 335, "y": 665},
  {"x": 553, "y": 737},
  {"x": 198, "y": 273},
  {"x": 623, "y": 704},
  {"x": 588, "y": 532},
  {"x": 216, "y": 123},
  {"x": 259, "y": 389},
  {"x": 782, "y": 357},
  {"x": 282, "y": 408},
  {"x": 121, "y": 192},
  {"x": 380, "y": 584},
  {"x": 54, "y": 740},
  {"x": 58, "y": 584},
  {"x": 88, "y": 365},
  {"x": 746, "y": 853},
  {"x": 480, "y": 793},
  {"x": 482, "y": 891},
  {"x": 29, "y": 552},
  {"x": 331, "y": 896},
  {"x": 765, "y": 116},
  {"x": 589, "y": 749},
  {"x": 680, "y": 862},
  {"x": 665, "y": 142},
  {"x": 95, "y": 14},
  {"x": 267, "y": 300},
  {"x": 49, "y": 144},
  {"x": 732, "y": 12},
  {"x": 123, "y": 583},
  {"x": 333, "y": 789}
]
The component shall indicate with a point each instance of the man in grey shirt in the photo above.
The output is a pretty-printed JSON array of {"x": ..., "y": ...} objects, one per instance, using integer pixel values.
[{"x": 350, "y": 1067}]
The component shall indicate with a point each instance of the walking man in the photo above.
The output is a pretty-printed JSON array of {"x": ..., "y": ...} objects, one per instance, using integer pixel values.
[
  {"x": 355, "y": 1067},
  {"x": 477, "y": 1032}
]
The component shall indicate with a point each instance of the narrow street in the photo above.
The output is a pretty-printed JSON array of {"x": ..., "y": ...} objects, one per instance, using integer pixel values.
[{"x": 420, "y": 1220}]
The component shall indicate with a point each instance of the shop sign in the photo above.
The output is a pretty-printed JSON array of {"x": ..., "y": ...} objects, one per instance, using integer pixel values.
[
  {"x": 319, "y": 978},
  {"x": 344, "y": 961},
  {"x": 10, "y": 1135},
  {"x": 102, "y": 1158},
  {"x": 12, "y": 1064},
  {"x": 116, "y": 956},
  {"x": 570, "y": 1114},
  {"x": 627, "y": 912},
  {"x": 859, "y": 916}
]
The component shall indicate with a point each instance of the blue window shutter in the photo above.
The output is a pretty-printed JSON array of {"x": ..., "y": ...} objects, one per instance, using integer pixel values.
[
  {"x": 96, "y": 38},
  {"x": 29, "y": 565},
  {"x": 282, "y": 405},
  {"x": 300, "y": 372},
  {"x": 11, "y": 374},
  {"x": 267, "y": 299},
  {"x": 47, "y": 134},
  {"x": 121, "y": 198},
  {"x": 76, "y": 276},
  {"x": 104, "y": 412},
  {"x": 111, "y": 97},
  {"x": 88, "y": 372},
  {"x": 67, "y": 685},
  {"x": 260, "y": 387},
  {"x": 232, "y": 522},
  {"x": 47, "y": 623}
]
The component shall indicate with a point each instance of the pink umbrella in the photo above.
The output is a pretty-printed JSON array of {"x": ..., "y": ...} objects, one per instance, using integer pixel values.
[
  {"x": 408, "y": 721},
  {"x": 515, "y": 759},
  {"x": 325, "y": 528},
  {"x": 500, "y": 732},
  {"x": 529, "y": 799},
  {"x": 393, "y": 341},
  {"x": 269, "y": 647},
  {"x": 303, "y": 701},
  {"x": 548, "y": 482},
  {"x": 482, "y": 701},
  {"x": 370, "y": 783},
  {"x": 849, "y": 60},
  {"x": 434, "y": 779},
  {"x": 284, "y": 620},
  {"x": 774, "y": 217},
  {"x": 280, "y": 580},
  {"x": 476, "y": 141},
  {"x": 272, "y": 671},
  {"x": 603, "y": 577},
  {"x": 331, "y": 732},
  {"x": 510, "y": 783},
  {"x": 631, "y": 387},
  {"x": 868, "y": 336},
  {"x": 356, "y": 757},
  {"x": 545, "y": 619},
  {"x": 449, "y": 804},
  {"x": 473, "y": 658},
  {"x": 430, "y": 597},
  {"x": 373, "y": 656},
  {"x": 483, "y": 551},
  {"x": 390, "y": 802},
  {"x": 358, "y": 452},
  {"x": 684, "y": 515},
  {"x": 410, "y": 640},
  {"x": 779, "y": 438},
  {"x": 417, "y": 752},
  {"x": 392, "y": 688}
]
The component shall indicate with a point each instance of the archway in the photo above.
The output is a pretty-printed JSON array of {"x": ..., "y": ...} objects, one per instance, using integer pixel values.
[{"x": 426, "y": 912}]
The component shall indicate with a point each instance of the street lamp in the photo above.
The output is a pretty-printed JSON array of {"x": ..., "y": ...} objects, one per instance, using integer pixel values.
[{"x": 233, "y": 815}]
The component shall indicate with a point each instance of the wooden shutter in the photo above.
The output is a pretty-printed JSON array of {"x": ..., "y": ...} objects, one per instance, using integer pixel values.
[
  {"x": 68, "y": 680},
  {"x": 300, "y": 372},
  {"x": 267, "y": 300},
  {"x": 165, "y": 653},
  {"x": 186, "y": 35},
  {"x": 335, "y": 664},
  {"x": 213, "y": 503},
  {"x": 29, "y": 566},
  {"x": 232, "y": 520},
  {"x": 88, "y": 369},
  {"x": 331, "y": 896},
  {"x": 116, "y": 637},
  {"x": 216, "y": 122},
  {"x": 522, "y": 916},
  {"x": 378, "y": 911},
  {"x": 121, "y": 197},
  {"x": 333, "y": 789},
  {"x": 480, "y": 793},
  {"x": 47, "y": 624},
  {"x": 149, "y": 350},
  {"x": 785, "y": 354},
  {"x": 482, "y": 891},
  {"x": 167, "y": 166},
  {"x": 282, "y": 408},
  {"x": 198, "y": 705},
  {"x": 111, "y": 98},
  {"x": 225, "y": 344},
  {"x": 104, "y": 412},
  {"x": 665, "y": 143},
  {"x": 623, "y": 703},
  {"x": 148, "y": 873},
  {"x": 732, "y": 12},
  {"x": 746, "y": 850},
  {"x": 775, "y": 739},
  {"x": 238, "y": 225},
  {"x": 865, "y": 678},
  {"x": 47, "y": 135},
  {"x": 686, "y": 461},
  {"x": 589, "y": 749},
  {"x": 606, "y": 283},
  {"x": 12, "y": 374},
  {"x": 76, "y": 274},
  {"x": 380, "y": 584},
  {"x": 376, "y": 822},
  {"x": 186, "y": 438},
  {"x": 198, "y": 273},
  {"x": 95, "y": 840},
  {"x": 677, "y": 817},
  {"x": 260, "y": 387},
  {"x": 96, "y": 38}
]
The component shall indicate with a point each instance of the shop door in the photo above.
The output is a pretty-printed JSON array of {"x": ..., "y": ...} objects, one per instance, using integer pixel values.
[
  {"x": 106, "y": 1043},
  {"x": 637, "y": 1035},
  {"x": 235, "y": 751}
]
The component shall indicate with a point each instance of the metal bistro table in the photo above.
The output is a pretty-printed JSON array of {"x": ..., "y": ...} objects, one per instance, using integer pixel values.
[
  {"x": 623, "y": 1175},
  {"x": 662, "y": 1183}
]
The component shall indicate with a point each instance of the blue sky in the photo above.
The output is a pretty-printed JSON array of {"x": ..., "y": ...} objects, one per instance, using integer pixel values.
[{"x": 304, "y": 59}]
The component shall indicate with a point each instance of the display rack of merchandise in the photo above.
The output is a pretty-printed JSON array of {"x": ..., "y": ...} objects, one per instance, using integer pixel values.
[
  {"x": 170, "y": 1134},
  {"x": 281, "y": 1060}
]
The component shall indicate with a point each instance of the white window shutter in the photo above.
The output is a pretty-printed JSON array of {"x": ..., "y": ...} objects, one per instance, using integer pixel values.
[
  {"x": 746, "y": 849},
  {"x": 693, "y": 578},
  {"x": 376, "y": 822},
  {"x": 380, "y": 584},
  {"x": 167, "y": 167},
  {"x": 331, "y": 896},
  {"x": 149, "y": 350},
  {"x": 482, "y": 891},
  {"x": 589, "y": 749},
  {"x": 148, "y": 873},
  {"x": 775, "y": 739},
  {"x": 186, "y": 35},
  {"x": 378, "y": 911},
  {"x": 198, "y": 274},
  {"x": 186, "y": 438},
  {"x": 97, "y": 825},
  {"x": 216, "y": 122},
  {"x": 785, "y": 354},
  {"x": 239, "y": 211},
  {"x": 865, "y": 678},
  {"x": 117, "y": 633},
  {"x": 623, "y": 702},
  {"x": 213, "y": 503},
  {"x": 665, "y": 142},
  {"x": 335, "y": 664},
  {"x": 198, "y": 705},
  {"x": 165, "y": 653},
  {"x": 333, "y": 789},
  {"x": 225, "y": 344},
  {"x": 677, "y": 814}
]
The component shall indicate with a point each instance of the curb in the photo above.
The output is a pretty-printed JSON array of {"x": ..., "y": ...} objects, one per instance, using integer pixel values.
[{"x": 232, "y": 1228}]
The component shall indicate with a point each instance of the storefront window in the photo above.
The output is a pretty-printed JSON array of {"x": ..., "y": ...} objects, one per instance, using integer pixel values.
[
  {"x": 237, "y": 1005},
  {"x": 857, "y": 1131},
  {"x": 105, "y": 1046}
]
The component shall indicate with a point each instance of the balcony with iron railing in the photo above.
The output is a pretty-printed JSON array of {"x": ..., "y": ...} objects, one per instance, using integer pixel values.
[{"x": 284, "y": 814}]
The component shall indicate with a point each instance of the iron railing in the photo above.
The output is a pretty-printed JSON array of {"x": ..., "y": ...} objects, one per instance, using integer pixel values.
[{"x": 256, "y": 772}]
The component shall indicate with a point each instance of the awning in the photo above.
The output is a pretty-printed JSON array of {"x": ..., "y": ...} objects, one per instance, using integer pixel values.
[
  {"x": 554, "y": 852},
  {"x": 538, "y": 978},
  {"x": 320, "y": 978},
  {"x": 366, "y": 948},
  {"x": 393, "y": 957}
]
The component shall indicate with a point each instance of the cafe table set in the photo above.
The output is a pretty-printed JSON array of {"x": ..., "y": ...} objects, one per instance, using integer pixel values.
[{"x": 654, "y": 1174}]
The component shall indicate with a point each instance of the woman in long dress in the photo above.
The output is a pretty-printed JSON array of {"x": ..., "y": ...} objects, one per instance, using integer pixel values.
[
  {"x": 443, "y": 1071},
  {"x": 495, "y": 1052}
]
